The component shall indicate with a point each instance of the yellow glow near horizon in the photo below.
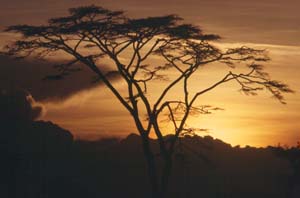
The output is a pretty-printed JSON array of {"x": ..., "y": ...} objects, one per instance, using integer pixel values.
[{"x": 247, "y": 120}]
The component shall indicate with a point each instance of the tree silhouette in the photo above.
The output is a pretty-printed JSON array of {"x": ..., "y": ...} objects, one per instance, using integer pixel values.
[{"x": 91, "y": 33}]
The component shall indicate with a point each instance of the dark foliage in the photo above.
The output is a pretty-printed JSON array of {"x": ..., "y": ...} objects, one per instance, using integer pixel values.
[{"x": 40, "y": 159}]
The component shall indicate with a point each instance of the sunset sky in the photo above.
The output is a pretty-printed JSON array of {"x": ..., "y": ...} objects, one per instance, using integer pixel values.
[{"x": 90, "y": 111}]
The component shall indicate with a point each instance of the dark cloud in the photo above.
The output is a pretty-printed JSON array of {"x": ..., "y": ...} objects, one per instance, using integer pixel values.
[
  {"x": 18, "y": 105},
  {"x": 29, "y": 74}
]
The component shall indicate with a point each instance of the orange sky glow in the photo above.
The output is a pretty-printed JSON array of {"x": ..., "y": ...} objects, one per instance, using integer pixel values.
[{"x": 246, "y": 120}]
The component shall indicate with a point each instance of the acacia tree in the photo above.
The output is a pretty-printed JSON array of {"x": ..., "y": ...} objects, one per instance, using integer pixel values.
[{"x": 89, "y": 34}]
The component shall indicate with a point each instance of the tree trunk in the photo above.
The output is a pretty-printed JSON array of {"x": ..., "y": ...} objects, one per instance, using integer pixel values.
[{"x": 151, "y": 166}]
